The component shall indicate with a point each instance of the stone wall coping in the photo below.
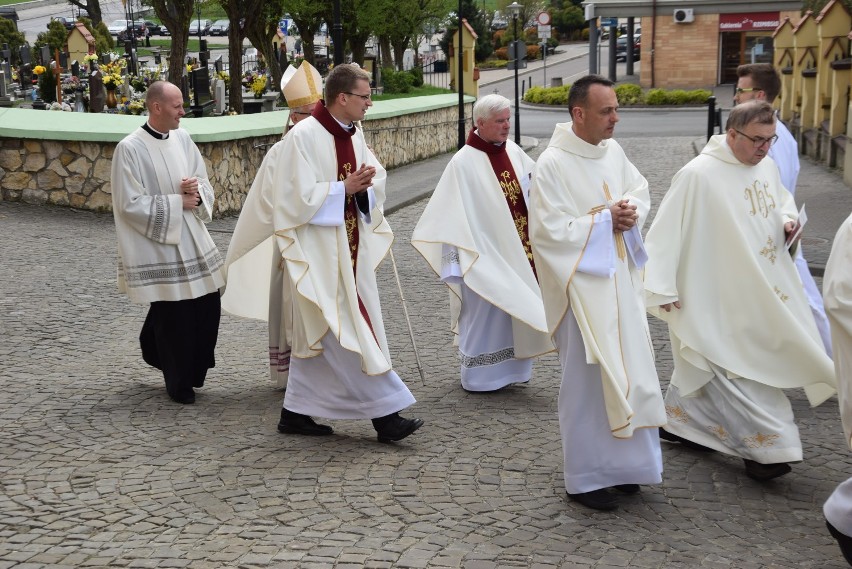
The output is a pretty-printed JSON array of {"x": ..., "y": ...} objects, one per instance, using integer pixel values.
[{"x": 101, "y": 127}]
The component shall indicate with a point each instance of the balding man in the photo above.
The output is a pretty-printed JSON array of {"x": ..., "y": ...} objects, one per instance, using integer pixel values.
[{"x": 161, "y": 199}]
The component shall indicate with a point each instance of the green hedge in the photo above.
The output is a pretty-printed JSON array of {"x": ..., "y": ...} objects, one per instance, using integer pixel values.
[{"x": 628, "y": 94}]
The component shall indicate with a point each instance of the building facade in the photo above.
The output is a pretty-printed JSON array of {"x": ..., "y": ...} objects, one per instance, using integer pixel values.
[{"x": 699, "y": 44}]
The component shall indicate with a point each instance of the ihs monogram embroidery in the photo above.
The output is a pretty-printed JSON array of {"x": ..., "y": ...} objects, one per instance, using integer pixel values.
[
  {"x": 761, "y": 200},
  {"x": 769, "y": 250},
  {"x": 510, "y": 187},
  {"x": 521, "y": 226}
]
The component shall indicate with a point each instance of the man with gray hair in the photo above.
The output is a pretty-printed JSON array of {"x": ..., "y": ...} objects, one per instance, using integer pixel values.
[
  {"x": 474, "y": 235},
  {"x": 721, "y": 274}
]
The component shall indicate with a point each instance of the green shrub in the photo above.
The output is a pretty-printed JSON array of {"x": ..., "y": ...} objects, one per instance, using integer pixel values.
[
  {"x": 699, "y": 96},
  {"x": 656, "y": 97},
  {"x": 396, "y": 81},
  {"x": 417, "y": 74},
  {"x": 534, "y": 95},
  {"x": 628, "y": 94}
]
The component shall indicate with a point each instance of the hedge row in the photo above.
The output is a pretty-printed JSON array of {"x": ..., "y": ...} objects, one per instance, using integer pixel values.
[{"x": 628, "y": 94}]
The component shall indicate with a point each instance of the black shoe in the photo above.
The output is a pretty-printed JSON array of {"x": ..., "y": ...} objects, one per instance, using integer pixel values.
[
  {"x": 673, "y": 438},
  {"x": 627, "y": 488},
  {"x": 843, "y": 540},
  {"x": 764, "y": 472},
  {"x": 185, "y": 397},
  {"x": 599, "y": 499},
  {"x": 392, "y": 427},
  {"x": 297, "y": 424}
]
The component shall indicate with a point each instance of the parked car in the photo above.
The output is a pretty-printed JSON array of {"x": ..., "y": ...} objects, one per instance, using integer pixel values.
[
  {"x": 154, "y": 29},
  {"x": 164, "y": 31},
  {"x": 138, "y": 29},
  {"x": 220, "y": 28},
  {"x": 67, "y": 22},
  {"x": 117, "y": 26},
  {"x": 621, "y": 48},
  {"x": 194, "y": 25}
]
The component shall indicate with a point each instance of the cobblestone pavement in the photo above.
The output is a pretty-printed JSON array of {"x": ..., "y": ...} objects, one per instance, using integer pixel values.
[{"x": 99, "y": 468}]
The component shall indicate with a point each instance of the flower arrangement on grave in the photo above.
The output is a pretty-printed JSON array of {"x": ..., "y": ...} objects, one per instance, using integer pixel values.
[
  {"x": 223, "y": 76},
  {"x": 89, "y": 57},
  {"x": 46, "y": 83},
  {"x": 111, "y": 73},
  {"x": 255, "y": 82},
  {"x": 39, "y": 69},
  {"x": 143, "y": 80},
  {"x": 70, "y": 84}
]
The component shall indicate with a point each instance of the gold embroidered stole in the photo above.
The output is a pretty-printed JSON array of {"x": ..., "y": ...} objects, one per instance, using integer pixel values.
[
  {"x": 345, "y": 152},
  {"x": 512, "y": 191}
]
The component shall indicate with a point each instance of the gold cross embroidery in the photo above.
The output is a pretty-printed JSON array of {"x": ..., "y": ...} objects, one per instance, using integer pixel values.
[
  {"x": 619, "y": 238},
  {"x": 781, "y": 295},
  {"x": 769, "y": 250}
]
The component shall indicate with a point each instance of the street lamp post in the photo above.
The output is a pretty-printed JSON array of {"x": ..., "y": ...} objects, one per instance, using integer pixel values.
[{"x": 515, "y": 9}]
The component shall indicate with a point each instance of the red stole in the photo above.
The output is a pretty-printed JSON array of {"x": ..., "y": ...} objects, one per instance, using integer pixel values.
[
  {"x": 511, "y": 189},
  {"x": 345, "y": 152}
]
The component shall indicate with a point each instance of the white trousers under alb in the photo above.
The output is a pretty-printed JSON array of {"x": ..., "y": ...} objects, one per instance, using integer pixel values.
[
  {"x": 486, "y": 346},
  {"x": 332, "y": 386},
  {"x": 593, "y": 458}
]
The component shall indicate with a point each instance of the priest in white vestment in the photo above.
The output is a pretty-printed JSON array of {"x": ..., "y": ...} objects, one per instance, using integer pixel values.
[
  {"x": 257, "y": 283},
  {"x": 474, "y": 233},
  {"x": 761, "y": 82},
  {"x": 328, "y": 191},
  {"x": 722, "y": 277},
  {"x": 588, "y": 203},
  {"x": 837, "y": 287},
  {"x": 161, "y": 199}
]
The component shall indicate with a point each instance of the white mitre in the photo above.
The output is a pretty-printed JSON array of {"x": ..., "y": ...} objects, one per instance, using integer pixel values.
[{"x": 301, "y": 86}]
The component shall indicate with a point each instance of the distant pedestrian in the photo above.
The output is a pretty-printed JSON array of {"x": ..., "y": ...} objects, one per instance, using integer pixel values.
[
  {"x": 474, "y": 235},
  {"x": 588, "y": 204},
  {"x": 722, "y": 277},
  {"x": 147, "y": 35},
  {"x": 161, "y": 199}
]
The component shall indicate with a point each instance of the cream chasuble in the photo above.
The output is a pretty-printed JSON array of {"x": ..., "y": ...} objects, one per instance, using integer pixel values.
[
  {"x": 468, "y": 211},
  {"x": 717, "y": 245},
  {"x": 257, "y": 284},
  {"x": 573, "y": 181},
  {"x": 317, "y": 256},
  {"x": 837, "y": 291}
]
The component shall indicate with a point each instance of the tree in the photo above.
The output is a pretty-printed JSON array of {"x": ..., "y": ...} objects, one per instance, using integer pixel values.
[
  {"x": 243, "y": 16},
  {"x": 11, "y": 36},
  {"x": 260, "y": 31},
  {"x": 399, "y": 23},
  {"x": 93, "y": 7},
  {"x": 55, "y": 38},
  {"x": 103, "y": 39},
  {"x": 176, "y": 15},
  {"x": 481, "y": 24},
  {"x": 308, "y": 17},
  {"x": 569, "y": 19}
]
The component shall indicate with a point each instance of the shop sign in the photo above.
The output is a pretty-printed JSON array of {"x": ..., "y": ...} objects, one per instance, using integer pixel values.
[{"x": 753, "y": 21}]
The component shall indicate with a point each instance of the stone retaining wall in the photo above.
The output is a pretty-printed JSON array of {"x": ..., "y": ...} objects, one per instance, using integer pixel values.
[{"x": 77, "y": 174}]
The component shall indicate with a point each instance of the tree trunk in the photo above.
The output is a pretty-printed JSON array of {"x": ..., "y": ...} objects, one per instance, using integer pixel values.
[
  {"x": 399, "y": 48},
  {"x": 235, "y": 67},
  {"x": 175, "y": 14},
  {"x": 385, "y": 48}
]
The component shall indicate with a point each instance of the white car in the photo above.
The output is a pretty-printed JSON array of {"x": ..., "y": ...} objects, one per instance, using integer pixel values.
[{"x": 117, "y": 27}]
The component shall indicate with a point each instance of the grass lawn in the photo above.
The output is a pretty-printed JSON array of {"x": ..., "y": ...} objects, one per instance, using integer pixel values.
[{"x": 415, "y": 92}]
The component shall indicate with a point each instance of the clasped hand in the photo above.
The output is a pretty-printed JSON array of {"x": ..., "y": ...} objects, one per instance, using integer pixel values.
[
  {"x": 360, "y": 179},
  {"x": 624, "y": 216},
  {"x": 189, "y": 193}
]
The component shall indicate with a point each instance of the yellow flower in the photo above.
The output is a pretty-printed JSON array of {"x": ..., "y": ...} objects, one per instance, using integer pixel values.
[
  {"x": 258, "y": 85},
  {"x": 39, "y": 69}
]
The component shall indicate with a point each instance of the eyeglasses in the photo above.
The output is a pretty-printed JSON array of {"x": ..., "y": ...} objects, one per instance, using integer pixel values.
[
  {"x": 741, "y": 90},
  {"x": 365, "y": 97},
  {"x": 759, "y": 141},
  {"x": 300, "y": 113}
]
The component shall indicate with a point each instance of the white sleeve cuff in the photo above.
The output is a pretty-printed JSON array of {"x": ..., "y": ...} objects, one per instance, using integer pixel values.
[
  {"x": 635, "y": 247},
  {"x": 599, "y": 254},
  {"x": 450, "y": 267},
  {"x": 330, "y": 214}
]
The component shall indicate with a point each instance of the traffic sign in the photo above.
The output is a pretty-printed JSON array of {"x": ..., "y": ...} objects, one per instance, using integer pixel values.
[
  {"x": 543, "y": 32},
  {"x": 609, "y": 22},
  {"x": 543, "y": 18},
  {"x": 520, "y": 47}
]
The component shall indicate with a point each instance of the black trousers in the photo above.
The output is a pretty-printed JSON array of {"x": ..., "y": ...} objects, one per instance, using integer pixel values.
[{"x": 179, "y": 338}]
